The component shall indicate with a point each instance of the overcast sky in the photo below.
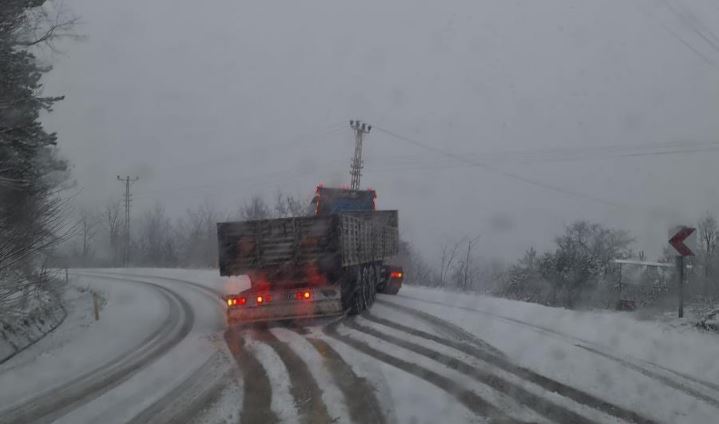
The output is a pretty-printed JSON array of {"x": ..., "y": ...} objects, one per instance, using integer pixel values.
[{"x": 569, "y": 102}]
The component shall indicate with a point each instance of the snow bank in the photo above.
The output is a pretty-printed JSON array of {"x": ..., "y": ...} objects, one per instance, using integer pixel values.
[
  {"x": 635, "y": 364},
  {"x": 21, "y": 329},
  {"x": 618, "y": 331}
]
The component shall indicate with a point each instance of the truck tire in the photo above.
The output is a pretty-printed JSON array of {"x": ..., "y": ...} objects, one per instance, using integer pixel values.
[
  {"x": 393, "y": 290},
  {"x": 356, "y": 291},
  {"x": 375, "y": 277},
  {"x": 367, "y": 286}
]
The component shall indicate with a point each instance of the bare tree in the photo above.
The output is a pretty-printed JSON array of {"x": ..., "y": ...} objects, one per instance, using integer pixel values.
[
  {"x": 87, "y": 226},
  {"x": 155, "y": 241},
  {"x": 197, "y": 236},
  {"x": 447, "y": 260},
  {"x": 113, "y": 212},
  {"x": 709, "y": 236},
  {"x": 44, "y": 23},
  {"x": 256, "y": 208},
  {"x": 289, "y": 206},
  {"x": 467, "y": 263}
]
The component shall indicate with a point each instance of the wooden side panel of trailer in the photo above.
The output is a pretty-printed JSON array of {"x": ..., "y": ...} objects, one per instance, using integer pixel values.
[{"x": 348, "y": 238}]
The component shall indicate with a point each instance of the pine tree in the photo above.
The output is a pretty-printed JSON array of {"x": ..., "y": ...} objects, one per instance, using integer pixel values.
[{"x": 30, "y": 170}]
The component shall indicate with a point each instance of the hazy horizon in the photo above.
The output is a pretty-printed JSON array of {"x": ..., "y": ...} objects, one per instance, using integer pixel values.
[{"x": 604, "y": 111}]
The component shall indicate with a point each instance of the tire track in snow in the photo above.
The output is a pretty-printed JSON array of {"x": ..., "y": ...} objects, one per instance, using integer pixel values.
[
  {"x": 306, "y": 392},
  {"x": 445, "y": 327},
  {"x": 524, "y": 373},
  {"x": 303, "y": 386},
  {"x": 167, "y": 409},
  {"x": 58, "y": 401},
  {"x": 543, "y": 407},
  {"x": 469, "y": 399},
  {"x": 639, "y": 365},
  {"x": 186, "y": 399},
  {"x": 664, "y": 379},
  {"x": 358, "y": 393},
  {"x": 257, "y": 402}
]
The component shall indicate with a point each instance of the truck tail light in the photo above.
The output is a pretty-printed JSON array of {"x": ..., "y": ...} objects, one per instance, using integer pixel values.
[
  {"x": 304, "y": 295},
  {"x": 263, "y": 298},
  {"x": 234, "y": 301},
  {"x": 396, "y": 275}
]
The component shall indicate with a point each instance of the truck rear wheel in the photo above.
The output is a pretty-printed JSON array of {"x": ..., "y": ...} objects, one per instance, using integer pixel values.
[
  {"x": 374, "y": 278},
  {"x": 354, "y": 293},
  {"x": 361, "y": 291}
]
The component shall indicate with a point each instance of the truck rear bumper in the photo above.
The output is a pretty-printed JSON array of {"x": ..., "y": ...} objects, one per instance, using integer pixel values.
[{"x": 284, "y": 306}]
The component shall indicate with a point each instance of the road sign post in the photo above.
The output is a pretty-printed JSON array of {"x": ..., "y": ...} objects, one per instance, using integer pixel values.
[
  {"x": 678, "y": 239},
  {"x": 680, "y": 274}
]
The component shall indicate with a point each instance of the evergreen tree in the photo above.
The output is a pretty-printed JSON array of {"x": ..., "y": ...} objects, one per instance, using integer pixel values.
[{"x": 30, "y": 170}]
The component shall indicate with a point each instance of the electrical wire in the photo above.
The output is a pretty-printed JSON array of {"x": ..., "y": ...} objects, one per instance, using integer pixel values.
[{"x": 492, "y": 169}]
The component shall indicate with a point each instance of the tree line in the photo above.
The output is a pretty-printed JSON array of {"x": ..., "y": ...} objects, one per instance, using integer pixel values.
[
  {"x": 579, "y": 270},
  {"x": 157, "y": 239},
  {"x": 31, "y": 171}
]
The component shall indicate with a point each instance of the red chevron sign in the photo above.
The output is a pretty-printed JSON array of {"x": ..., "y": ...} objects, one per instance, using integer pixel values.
[{"x": 678, "y": 239}]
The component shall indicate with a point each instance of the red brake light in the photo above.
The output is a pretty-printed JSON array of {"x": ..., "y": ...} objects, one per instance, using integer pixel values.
[
  {"x": 396, "y": 275},
  {"x": 233, "y": 301},
  {"x": 303, "y": 295}
]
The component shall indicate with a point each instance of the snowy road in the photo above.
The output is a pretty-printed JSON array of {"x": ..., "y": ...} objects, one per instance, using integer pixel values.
[{"x": 161, "y": 353}]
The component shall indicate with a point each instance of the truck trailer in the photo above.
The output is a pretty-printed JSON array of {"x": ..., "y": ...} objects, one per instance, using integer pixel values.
[{"x": 326, "y": 264}]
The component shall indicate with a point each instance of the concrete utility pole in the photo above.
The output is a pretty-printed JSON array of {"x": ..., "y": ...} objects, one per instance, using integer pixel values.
[
  {"x": 126, "y": 250},
  {"x": 361, "y": 129}
]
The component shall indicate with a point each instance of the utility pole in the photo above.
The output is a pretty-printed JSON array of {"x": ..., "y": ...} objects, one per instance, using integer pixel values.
[
  {"x": 361, "y": 129},
  {"x": 126, "y": 251},
  {"x": 680, "y": 269}
]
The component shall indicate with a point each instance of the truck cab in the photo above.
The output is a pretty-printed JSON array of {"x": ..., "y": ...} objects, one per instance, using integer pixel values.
[{"x": 330, "y": 201}]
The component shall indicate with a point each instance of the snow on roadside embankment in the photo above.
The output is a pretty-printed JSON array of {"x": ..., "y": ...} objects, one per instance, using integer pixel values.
[
  {"x": 81, "y": 344},
  {"x": 33, "y": 318},
  {"x": 663, "y": 372},
  {"x": 619, "y": 331}
]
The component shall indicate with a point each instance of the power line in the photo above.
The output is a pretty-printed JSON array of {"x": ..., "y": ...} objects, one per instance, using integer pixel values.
[
  {"x": 677, "y": 37},
  {"x": 507, "y": 174},
  {"x": 529, "y": 159},
  {"x": 688, "y": 45},
  {"x": 685, "y": 17},
  {"x": 568, "y": 154}
]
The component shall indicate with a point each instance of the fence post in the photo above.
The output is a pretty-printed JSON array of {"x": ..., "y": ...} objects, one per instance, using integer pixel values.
[{"x": 96, "y": 306}]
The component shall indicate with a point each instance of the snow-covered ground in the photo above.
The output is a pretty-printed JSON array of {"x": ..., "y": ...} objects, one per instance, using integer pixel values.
[
  {"x": 160, "y": 352},
  {"x": 22, "y": 327}
]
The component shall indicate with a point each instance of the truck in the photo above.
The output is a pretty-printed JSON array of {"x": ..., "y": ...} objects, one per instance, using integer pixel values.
[{"x": 331, "y": 262}]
